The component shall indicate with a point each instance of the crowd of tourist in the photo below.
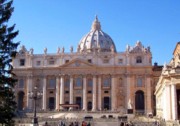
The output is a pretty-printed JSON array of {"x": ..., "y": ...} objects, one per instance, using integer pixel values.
[{"x": 75, "y": 123}]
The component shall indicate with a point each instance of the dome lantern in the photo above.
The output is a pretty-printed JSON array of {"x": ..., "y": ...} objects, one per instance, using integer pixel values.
[{"x": 96, "y": 24}]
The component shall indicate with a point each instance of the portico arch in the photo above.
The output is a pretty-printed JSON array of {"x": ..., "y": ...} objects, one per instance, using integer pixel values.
[{"x": 139, "y": 101}]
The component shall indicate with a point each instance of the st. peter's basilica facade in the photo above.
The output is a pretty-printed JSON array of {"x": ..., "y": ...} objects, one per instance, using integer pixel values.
[{"x": 95, "y": 77}]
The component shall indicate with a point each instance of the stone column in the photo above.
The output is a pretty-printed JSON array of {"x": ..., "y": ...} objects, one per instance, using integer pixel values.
[
  {"x": 29, "y": 89},
  {"x": 71, "y": 91},
  {"x": 94, "y": 94},
  {"x": 62, "y": 92},
  {"x": 84, "y": 93},
  {"x": 113, "y": 93},
  {"x": 148, "y": 98},
  {"x": 57, "y": 93},
  {"x": 99, "y": 93},
  {"x": 44, "y": 93},
  {"x": 174, "y": 101}
]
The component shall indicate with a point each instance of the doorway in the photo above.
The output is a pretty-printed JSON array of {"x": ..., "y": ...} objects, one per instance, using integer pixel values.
[
  {"x": 20, "y": 100},
  {"x": 106, "y": 103},
  {"x": 51, "y": 103},
  {"x": 89, "y": 105},
  {"x": 79, "y": 102},
  {"x": 139, "y": 102}
]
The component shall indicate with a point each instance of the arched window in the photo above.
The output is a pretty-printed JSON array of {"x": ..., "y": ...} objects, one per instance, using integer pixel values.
[{"x": 139, "y": 59}]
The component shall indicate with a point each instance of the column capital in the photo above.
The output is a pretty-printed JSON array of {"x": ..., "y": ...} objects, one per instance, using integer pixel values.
[
  {"x": 71, "y": 75},
  {"x": 85, "y": 76},
  {"x": 127, "y": 75},
  {"x": 57, "y": 75},
  {"x": 114, "y": 75},
  {"x": 148, "y": 75},
  {"x": 100, "y": 75},
  {"x": 95, "y": 75},
  {"x": 61, "y": 75},
  {"x": 30, "y": 76}
]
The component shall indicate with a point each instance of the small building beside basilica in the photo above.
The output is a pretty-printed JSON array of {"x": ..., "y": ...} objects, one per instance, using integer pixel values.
[
  {"x": 95, "y": 77},
  {"x": 168, "y": 89}
]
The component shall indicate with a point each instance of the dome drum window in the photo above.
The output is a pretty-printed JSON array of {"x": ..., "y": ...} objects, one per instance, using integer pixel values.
[
  {"x": 139, "y": 59},
  {"x": 22, "y": 62}
]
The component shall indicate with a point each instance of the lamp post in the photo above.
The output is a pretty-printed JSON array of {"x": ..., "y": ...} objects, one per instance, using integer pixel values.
[{"x": 35, "y": 95}]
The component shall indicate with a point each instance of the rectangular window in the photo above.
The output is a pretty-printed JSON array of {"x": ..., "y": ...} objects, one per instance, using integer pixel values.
[
  {"x": 139, "y": 59},
  {"x": 139, "y": 82},
  {"x": 38, "y": 63},
  {"x": 120, "y": 61},
  {"x": 107, "y": 82},
  {"x": 51, "y": 92},
  {"x": 21, "y": 83},
  {"x": 67, "y": 92},
  {"x": 78, "y": 82},
  {"x": 51, "y": 62},
  {"x": 66, "y": 61},
  {"x": 106, "y": 92},
  {"x": 90, "y": 82},
  {"x": 89, "y": 92},
  {"x": 52, "y": 83},
  {"x": 67, "y": 82},
  {"x": 89, "y": 60},
  {"x": 22, "y": 62}
]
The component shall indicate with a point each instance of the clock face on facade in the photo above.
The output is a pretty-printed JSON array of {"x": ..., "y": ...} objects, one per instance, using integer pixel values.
[{"x": 77, "y": 63}]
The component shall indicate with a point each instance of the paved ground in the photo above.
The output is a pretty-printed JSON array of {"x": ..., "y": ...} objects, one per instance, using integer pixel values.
[{"x": 54, "y": 118}]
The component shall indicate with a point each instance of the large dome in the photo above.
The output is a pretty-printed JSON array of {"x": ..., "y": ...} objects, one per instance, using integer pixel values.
[{"x": 96, "y": 40}]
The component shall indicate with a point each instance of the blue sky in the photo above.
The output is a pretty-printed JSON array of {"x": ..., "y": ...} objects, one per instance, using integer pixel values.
[{"x": 62, "y": 23}]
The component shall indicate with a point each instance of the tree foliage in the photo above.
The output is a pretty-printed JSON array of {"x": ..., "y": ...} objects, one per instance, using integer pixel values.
[{"x": 7, "y": 52}]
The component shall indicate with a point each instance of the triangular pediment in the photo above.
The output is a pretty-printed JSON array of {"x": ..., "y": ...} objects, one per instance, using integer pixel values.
[{"x": 78, "y": 63}]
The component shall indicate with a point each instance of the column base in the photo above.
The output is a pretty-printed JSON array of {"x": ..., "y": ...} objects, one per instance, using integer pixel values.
[
  {"x": 93, "y": 110},
  {"x": 113, "y": 110},
  {"x": 85, "y": 110}
]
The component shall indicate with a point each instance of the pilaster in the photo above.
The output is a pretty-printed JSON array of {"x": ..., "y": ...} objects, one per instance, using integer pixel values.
[
  {"x": 148, "y": 98},
  {"x": 128, "y": 79},
  {"x": 29, "y": 89},
  {"x": 113, "y": 93}
]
